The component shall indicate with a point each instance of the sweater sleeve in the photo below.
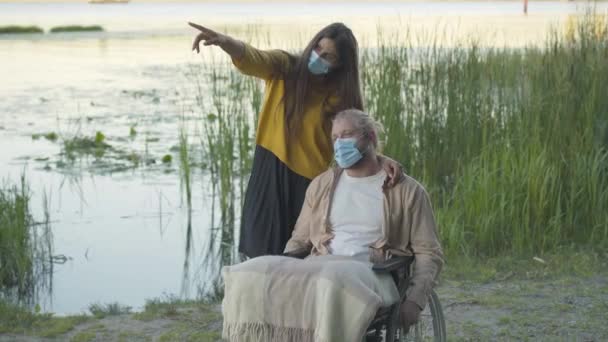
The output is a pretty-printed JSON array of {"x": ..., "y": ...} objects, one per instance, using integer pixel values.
[
  {"x": 425, "y": 245},
  {"x": 264, "y": 64}
]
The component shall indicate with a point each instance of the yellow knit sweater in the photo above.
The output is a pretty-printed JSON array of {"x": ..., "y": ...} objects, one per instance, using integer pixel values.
[{"x": 310, "y": 151}]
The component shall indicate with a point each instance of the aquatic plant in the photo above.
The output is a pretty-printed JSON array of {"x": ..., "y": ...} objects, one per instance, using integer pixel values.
[
  {"x": 76, "y": 28},
  {"x": 20, "y": 29}
]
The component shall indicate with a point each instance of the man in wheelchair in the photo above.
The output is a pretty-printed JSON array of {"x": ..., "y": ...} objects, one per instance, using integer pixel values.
[{"x": 349, "y": 221}]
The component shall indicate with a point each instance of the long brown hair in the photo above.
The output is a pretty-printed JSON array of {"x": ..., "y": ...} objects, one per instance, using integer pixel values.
[{"x": 343, "y": 80}]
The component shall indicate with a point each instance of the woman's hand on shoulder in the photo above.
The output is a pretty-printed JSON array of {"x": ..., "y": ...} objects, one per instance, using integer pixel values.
[{"x": 393, "y": 169}]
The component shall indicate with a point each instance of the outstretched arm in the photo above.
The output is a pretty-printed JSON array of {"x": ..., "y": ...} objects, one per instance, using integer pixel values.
[
  {"x": 234, "y": 48},
  {"x": 249, "y": 60}
]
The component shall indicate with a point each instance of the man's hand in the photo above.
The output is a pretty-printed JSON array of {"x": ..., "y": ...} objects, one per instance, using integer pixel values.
[{"x": 409, "y": 313}]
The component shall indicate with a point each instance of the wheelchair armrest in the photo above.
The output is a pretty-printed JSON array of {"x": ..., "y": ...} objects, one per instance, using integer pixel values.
[
  {"x": 393, "y": 264},
  {"x": 298, "y": 254}
]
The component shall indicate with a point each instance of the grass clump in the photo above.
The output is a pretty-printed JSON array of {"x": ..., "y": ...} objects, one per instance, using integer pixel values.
[
  {"x": 13, "y": 29},
  {"x": 15, "y": 319},
  {"x": 129, "y": 336},
  {"x": 184, "y": 332},
  {"x": 85, "y": 336},
  {"x": 163, "y": 308},
  {"x": 174, "y": 307},
  {"x": 76, "y": 28},
  {"x": 110, "y": 309}
]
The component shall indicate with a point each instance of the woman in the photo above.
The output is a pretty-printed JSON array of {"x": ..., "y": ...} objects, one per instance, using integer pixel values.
[{"x": 303, "y": 92}]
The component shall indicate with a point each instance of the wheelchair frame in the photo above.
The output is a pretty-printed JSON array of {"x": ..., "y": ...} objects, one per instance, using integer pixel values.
[{"x": 386, "y": 326}]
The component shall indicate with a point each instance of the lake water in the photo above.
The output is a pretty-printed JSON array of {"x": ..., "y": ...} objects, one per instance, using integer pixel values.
[{"x": 125, "y": 230}]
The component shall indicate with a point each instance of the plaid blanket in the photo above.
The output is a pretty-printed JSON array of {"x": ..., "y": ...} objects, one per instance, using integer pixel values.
[{"x": 321, "y": 298}]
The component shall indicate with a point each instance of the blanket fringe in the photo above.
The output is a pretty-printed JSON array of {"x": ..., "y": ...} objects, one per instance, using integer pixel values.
[{"x": 262, "y": 332}]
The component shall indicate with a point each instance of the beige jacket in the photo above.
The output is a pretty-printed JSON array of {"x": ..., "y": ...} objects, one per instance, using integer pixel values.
[{"x": 408, "y": 228}]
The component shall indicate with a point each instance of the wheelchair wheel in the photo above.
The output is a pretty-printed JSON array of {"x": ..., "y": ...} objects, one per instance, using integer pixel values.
[{"x": 430, "y": 326}]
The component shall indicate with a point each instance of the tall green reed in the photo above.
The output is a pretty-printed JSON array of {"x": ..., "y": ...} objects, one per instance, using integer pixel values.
[
  {"x": 225, "y": 103},
  {"x": 511, "y": 143},
  {"x": 17, "y": 260},
  {"x": 26, "y": 246},
  {"x": 185, "y": 162}
]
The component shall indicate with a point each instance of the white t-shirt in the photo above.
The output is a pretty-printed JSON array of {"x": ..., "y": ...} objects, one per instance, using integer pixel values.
[{"x": 357, "y": 214}]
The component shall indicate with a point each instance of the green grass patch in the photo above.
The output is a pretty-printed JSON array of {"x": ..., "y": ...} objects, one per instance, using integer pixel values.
[
  {"x": 563, "y": 262},
  {"x": 188, "y": 333},
  {"x": 90, "y": 334},
  {"x": 130, "y": 336},
  {"x": 76, "y": 28},
  {"x": 167, "y": 307},
  {"x": 84, "y": 336},
  {"x": 20, "y": 29},
  {"x": 18, "y": 320}
]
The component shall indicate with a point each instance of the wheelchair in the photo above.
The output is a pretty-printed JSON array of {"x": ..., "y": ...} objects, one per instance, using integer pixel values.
[{"x": 386, "y": 325}]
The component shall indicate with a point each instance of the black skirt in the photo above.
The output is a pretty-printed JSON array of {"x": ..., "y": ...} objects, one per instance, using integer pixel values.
[{"x": 273, "y": 201}]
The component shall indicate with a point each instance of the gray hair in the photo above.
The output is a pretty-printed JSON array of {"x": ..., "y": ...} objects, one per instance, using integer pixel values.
[{"x": 364, "y": 123}]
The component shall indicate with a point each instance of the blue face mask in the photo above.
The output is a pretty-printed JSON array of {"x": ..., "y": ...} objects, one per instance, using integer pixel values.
[
  {"x": 317, "y": 65},
  {"x": 346, "y": 152}
]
